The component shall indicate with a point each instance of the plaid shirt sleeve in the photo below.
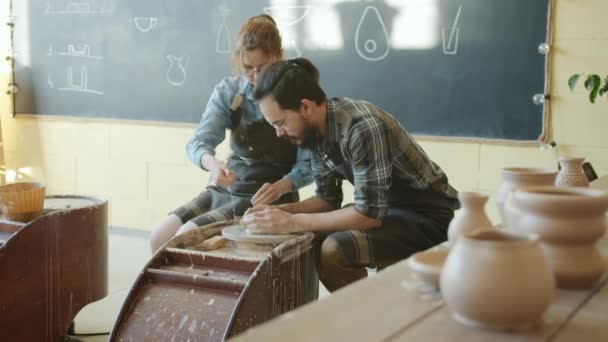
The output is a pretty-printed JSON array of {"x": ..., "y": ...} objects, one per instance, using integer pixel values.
[
  {"x": 329, "y": 187},
  {"x": 370, "y": 151}
]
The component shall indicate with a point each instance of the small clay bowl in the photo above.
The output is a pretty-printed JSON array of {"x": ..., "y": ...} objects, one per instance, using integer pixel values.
[{"x": 426, "y": 265}]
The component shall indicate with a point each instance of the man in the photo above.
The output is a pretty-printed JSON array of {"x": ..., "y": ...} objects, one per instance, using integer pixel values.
[{"x": 403, "y": 202}]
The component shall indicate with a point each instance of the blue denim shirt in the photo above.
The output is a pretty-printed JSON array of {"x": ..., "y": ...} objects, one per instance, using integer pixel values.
[{"x": 211, "y": 131}]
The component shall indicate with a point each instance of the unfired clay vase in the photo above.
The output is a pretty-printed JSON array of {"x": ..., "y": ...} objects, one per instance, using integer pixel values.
[
  {"x": 569, "y": 221},
  {"x": 471, "y": 216},
  {"x": 514, "y": 178},
  {"x": 571, "y": 173},
  {"x": 498, "y": 280}
]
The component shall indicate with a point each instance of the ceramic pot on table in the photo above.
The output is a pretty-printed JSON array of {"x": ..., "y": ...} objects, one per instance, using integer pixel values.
[
  {"x": 571, "y": 173},
  {"x": 497, "y": 280},
  {"x": 569, "y": 221},
  {"x": 514, "y": 178},
  {"x": 471, "y": 216}
]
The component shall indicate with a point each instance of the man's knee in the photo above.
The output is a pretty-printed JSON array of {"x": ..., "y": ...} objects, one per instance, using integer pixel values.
[
  {"x": 336, "y": 271},
  {"x": 331, "y": 254}
]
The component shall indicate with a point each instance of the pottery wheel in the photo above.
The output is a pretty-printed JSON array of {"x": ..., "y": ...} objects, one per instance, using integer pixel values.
[{"x": 239, "y": 233}]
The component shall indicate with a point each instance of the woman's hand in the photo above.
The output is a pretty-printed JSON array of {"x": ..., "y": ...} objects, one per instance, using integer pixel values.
[
  {"x": 270, "y": 192},
  {"x": 220, "y": 173},
  {"x": 271, "y": 220}
]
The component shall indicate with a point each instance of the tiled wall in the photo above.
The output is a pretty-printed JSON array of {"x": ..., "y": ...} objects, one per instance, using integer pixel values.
[{"x": 142, "y": 168}]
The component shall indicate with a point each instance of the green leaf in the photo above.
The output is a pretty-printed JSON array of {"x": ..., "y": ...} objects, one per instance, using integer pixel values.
[
  {"x": 595, "y": 83},
  {"x": 589, "y": 83},
  {"x": 573, "y": 80},
  {"x": 604, "y": 89}
]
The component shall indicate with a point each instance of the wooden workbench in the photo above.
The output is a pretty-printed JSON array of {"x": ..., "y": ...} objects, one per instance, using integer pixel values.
[{"x": 391, "y": 306}]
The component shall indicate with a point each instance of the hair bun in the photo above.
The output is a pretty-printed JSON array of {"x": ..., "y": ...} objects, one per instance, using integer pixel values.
[{"x": 264, "y": 17}]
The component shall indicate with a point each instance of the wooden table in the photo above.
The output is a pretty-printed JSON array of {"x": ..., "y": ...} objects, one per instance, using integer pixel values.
[{"x": 390, "y": 307}]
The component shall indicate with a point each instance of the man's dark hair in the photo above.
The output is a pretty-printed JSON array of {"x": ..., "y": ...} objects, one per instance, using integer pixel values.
[{"x": 288, "y": 82}]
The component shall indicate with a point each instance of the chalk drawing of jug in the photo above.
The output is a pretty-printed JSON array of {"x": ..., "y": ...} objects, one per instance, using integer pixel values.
[{"x": 176, "y": 74}]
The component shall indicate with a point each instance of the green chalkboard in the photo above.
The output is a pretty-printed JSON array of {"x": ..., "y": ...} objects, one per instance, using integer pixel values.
[{"x": 465, "y": 68}]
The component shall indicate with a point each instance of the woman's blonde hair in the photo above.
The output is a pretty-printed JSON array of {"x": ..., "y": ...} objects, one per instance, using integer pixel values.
[{"x": 259, "y": 32}]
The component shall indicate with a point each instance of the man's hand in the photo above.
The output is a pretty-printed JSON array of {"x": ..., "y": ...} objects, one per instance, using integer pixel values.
[
  {"x": 257, "y": 208},
  {"x": 270, "y": 221},
  {"x": 220, "y": 173},
  {"x": 270, "y": 192}
]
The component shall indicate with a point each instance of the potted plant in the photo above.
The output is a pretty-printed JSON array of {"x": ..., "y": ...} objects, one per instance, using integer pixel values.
[{"x": 593, "y": 83}]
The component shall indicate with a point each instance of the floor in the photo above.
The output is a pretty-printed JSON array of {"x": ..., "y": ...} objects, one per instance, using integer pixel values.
[{"x": 128, "y": 252}]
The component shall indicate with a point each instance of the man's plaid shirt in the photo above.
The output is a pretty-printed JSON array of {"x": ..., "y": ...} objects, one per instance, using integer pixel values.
[{"x": 371, "y": 149}]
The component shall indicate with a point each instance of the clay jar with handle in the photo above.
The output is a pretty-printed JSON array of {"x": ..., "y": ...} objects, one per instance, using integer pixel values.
[
  {"x": 514, "y": 178},
  {"x": 471, "y": 216},
  {"x": 571, "y": 173},
  {"x": 497, "y": 280},
  {"x": 569, "y": 221}
]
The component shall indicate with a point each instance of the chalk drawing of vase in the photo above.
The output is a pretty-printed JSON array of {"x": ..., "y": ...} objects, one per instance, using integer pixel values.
[
  {"x": 223, "y": 43},
  {"x": 371, "y": 37},
  {"x": 176, "y": 74}
]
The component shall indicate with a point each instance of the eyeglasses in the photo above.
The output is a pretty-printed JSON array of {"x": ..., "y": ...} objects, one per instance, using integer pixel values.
[
  {"x": 281, "y": 126},
  {"x": 250, "y": 70}
]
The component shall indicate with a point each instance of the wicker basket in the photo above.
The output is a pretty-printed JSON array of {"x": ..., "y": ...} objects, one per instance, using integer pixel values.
[{"x": 22, "y": 202}]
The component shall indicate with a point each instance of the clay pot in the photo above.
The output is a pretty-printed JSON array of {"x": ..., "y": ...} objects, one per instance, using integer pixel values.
[
  {"x": 498, "y": 280},
  {"x": 571, "y": 173},
  {"x": 471, "y": 216},
  {"x": 514, "y": 178},
  {"x": 22, "y": 201},
  {"x": 427, "y": 265},
  {"x": 569, "y": 221}
]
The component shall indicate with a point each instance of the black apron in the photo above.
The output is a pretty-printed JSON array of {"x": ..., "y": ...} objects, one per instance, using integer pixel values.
[{"x": 258, "y": 156}]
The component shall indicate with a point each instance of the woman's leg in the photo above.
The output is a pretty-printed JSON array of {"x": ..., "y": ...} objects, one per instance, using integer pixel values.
[
  {"x": 224, "y": 210},
  {"x": 164, "y": 231},
  {"x": 169, "y": 226}
]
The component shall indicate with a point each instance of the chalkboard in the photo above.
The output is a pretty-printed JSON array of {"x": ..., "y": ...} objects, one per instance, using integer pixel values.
[{"x": 465, "y": 68}]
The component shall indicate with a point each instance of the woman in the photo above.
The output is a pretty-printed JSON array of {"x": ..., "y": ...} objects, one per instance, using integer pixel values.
[{"x": 261, "y": 168}]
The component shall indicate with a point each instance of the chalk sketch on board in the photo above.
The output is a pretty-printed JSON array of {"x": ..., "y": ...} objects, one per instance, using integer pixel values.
[
  {"x": 223, "y": 42},
  {"x": 176, "y": 73},
  {"x": 85, "y": 52},
  {"x": 49, "y": 80},
  {"x": 83, "y": 85},
  {"x": 292, "y": 50},
  {"x": 450, "y": 47},
  {"x": 75, "y": 7},
  {"x": 145, "y": 24},
  {"x": 107, "y": 6},
  {"x": 370, "y": 49},
  {"x": 287, "y": 15}
]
